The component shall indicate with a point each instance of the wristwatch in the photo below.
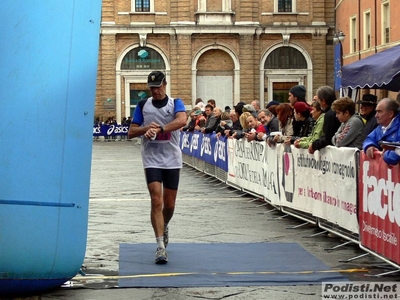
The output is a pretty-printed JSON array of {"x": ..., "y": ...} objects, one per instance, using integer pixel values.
[{"x": 161, "y": 129}]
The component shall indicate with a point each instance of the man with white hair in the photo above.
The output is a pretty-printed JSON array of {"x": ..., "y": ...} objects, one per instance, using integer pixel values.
[{"x": 388, "y": 130}]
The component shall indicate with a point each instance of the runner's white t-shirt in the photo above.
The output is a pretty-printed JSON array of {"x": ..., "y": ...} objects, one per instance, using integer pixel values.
[{"x": 163, "y": 152}]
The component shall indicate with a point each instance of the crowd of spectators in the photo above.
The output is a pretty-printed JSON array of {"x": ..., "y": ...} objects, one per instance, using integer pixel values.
[{"x": 326, "y": 121}]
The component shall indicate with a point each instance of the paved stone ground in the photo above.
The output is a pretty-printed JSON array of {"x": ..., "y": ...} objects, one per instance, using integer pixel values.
[{"x": 206, "y": 212}]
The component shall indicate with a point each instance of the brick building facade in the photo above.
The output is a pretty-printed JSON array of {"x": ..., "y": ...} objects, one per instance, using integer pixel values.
[
  {"x": 228, "y": 50},
  {"x": 369, "y": 27}
]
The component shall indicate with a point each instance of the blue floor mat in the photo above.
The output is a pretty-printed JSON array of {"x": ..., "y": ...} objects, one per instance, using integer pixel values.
[{"x": 222, "y": 264}]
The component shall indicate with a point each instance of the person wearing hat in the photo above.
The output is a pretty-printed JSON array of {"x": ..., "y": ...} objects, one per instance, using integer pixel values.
[
  {"x": 191, "y": 122},
  {"x": 298, "y": 94},
  {"x": 250, "y": 108},
  {"x": 158, "y": 120},
  {"x": 367, "y": 112},
  {"x": 302, "y": 114},
  {"x": 273, "y": 102},
  {"x": 200, "y": 119},
  {"x": 239, "y": 108}
]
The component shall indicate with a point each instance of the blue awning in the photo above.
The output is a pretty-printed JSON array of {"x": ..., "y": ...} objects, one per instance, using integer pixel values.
[{"x": 378, "y": 71}]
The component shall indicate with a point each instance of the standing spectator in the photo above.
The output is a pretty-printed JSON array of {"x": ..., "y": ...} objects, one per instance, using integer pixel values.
[
  {"x": 199, "y": 103},
  {"x": 285, "y": 117},
  {"x": 302, "y": 114},
  {"x": 250, "y": 108},
  {"x": 226, "y": 123},
  {"x": 297, "y": 94},
  {"x": 212, "y": 102},
  {"x": 200, "y": 120},
  {"x": 273, "y": 102},
  {"x": 388, "y": 118},
  {"x": 235, "y": 124},
  {"x": 317, "y": 131},
  {"x": 351, "y": 130},
  {"x": 255, "y": 127},
  {"x": 270, "y": 122},
  {"x": 256, "y": 105},
  {"x": 239, "y": 108},
  {"x": 326, "y": 95},
  {"x": 158, "y": 120},
  {"x": 212, "y": 121},
  {"x": 367, "y": 111},
  {"x": 208, "y": 111},
  {"x": 238, "y": 134},
  {"x": 272, "y": 109},
  {"x": 191, "y": 122}
]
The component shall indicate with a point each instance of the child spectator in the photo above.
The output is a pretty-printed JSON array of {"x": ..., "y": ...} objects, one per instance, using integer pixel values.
[
  {"x": 318, "y": 115},
  {"x": 225, "y": 124},
  {"x": 200, "y": 120},
  {"x": 351, "y": 130}
]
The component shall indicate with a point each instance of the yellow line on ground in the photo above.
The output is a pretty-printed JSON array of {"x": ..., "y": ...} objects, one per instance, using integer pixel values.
[
  {"x": 88, "y": 277},
  {"x": 148, "y": 199}
]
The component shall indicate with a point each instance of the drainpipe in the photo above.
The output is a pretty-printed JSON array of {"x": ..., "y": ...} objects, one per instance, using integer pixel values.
[
  {"x": 376, "y": 26},
  {"x": 359, "y": 30}
]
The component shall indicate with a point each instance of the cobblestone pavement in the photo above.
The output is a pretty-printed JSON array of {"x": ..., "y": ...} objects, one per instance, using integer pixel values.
[{"x": 207, "y": 211}]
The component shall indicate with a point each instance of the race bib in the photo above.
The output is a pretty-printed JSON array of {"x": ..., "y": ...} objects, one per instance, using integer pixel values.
[{"x": 163, "y": 136}]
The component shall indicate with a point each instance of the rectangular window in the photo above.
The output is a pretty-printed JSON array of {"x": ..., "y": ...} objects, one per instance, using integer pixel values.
[
  {"x": 367, "y": 30},
  {"x": 142, "y": 5},
  {"x": 353, "y": 34},
  {"x": 385, "y": 23},
  {"x": 285, "y": 6}
]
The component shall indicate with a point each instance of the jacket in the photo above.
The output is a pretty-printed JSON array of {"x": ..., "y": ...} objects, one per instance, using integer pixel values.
[
  {"x": 391, "y": 134},
  {"x": 316, "y": 133},
  {"x": 350, "y": 133},
  {"x": 370, "y": 123},
  {"x": 331, "y": 125}
]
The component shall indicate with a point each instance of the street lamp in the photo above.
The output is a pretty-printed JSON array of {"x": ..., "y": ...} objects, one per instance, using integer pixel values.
[{"x": 338, "y": 37}]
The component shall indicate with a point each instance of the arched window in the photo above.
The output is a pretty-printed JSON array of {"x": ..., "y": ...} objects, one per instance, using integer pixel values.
[
  {"x": 142, "y": 58},
  {"x": 286, "y": 58}
]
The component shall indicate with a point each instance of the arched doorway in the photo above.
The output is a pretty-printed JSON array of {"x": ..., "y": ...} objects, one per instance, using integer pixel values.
[
  {"x": 215, "y": 75},
  {"x": 132, "y": 68},
  {"x": 281, "y": 68}
]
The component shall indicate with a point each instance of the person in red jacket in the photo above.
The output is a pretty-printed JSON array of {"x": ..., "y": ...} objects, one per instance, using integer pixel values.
[{"x": 255, "y": 126}]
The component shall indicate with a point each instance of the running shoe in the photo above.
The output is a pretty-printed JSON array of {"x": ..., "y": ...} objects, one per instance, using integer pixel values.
[
  {"x": 161, "y": 256},
  {"x": 166, "y": 239}
]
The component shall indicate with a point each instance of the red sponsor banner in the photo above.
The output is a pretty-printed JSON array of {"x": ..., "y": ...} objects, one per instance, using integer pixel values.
[{"x": 379, "y": 207}]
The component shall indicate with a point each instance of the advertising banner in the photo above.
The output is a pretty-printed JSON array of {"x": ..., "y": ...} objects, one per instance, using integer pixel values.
[
  {"x": 324, "y": 183},
  {"x": 110, "y": 130},
  {"x": 379, "y": 211},
  {"x": 206, "y": 147},
  {"x": 250, "y": 168}
]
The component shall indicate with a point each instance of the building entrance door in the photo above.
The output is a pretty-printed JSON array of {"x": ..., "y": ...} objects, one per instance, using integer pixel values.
[
  {"x": 281, "y": 91},
  {"x": 138, "y": 91}
]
